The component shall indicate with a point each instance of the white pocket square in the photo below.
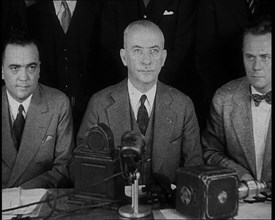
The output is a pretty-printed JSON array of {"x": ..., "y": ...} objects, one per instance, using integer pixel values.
[
  {"x": 168, "y": 12},
  {"x": 49, "y": 137}
]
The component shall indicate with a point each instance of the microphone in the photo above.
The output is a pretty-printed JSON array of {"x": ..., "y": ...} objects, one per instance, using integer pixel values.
[{"x": 131, "y": 150}]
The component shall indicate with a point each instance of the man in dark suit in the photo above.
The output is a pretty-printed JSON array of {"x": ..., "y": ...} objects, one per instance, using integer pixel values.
[
  {"x": 238, "y": 133},
  {"x": 169, "y": 124},
  {"x": 218, "y": 41},
  {"x": 69, "y": 49},
  {"x": 37, "y": 130},
  {"x": 176, "y": 19}
]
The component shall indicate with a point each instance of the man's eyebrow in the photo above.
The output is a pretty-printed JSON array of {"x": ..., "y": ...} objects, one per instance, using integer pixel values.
[
  {"x": 33, "y": 63},
  {"x": 18, "y": 65},
  {"x": 154, "y": 46},
  {"x": 14, "y": 65}
]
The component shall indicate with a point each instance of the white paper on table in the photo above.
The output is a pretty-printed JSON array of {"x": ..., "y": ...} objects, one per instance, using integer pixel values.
[
  {"x": 172, "y": 214},
  {"x": 13, "y": 197}
]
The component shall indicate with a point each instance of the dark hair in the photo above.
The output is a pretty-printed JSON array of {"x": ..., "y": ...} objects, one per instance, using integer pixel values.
[
  {"x": 19, "y": 37},
  {"x": 261, "y": 26}
]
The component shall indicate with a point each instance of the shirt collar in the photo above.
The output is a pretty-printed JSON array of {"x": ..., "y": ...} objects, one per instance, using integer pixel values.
[
  {"x": 135, "y": 94},
  {"x": 254, "y": 91},
  {"x": 58, "y": 6},
  {"x": 14, "y": 105}
]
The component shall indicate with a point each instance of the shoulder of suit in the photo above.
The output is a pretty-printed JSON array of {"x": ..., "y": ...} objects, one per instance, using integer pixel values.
[
  {"x": 121, "y": 86},
  {"x": 53, "y": 94},
  {"x": 171, "y": 90},
  {"x": 231, "y": 88}
]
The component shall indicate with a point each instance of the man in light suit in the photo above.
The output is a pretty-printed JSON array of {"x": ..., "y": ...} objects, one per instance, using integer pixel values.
[
  {"x": 37, "y": 139},
  {"x": 172, "y": 131},
  {"x": 238, "y": 133},
  {"x": 218, "y": 42}
]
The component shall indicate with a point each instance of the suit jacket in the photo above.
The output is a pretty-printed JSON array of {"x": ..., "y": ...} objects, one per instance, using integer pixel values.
[
  {"x": 219, "y": 28},
  {"x": 176, "y": 131},
  {"x": 69, "y": 61},
  {"x": 228, "y": 139},
  {"x": 46, "y": 142},
  {"x": 176, "y": 18}
]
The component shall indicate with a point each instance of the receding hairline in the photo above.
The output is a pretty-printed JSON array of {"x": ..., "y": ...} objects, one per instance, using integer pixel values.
[{"x": 142, "y": 24}]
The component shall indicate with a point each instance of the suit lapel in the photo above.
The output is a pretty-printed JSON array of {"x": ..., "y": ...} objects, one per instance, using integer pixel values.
[
  {"x": 119, "y": 112},
  {"x": 50, "y": 11},
  {"x": 164, "y": 121},
  {"x": 37, "y": 121},
  {"x": 266, "y": 171},
  {"x": 243, "y": 125},
  {"x": 9, "y": 151}
]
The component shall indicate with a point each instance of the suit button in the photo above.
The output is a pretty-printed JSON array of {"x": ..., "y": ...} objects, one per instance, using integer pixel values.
[{"x": 144, "y": 16}]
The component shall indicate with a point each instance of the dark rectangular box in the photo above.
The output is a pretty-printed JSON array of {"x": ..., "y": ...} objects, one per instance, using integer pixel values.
[{"x": 207, "y": 192}]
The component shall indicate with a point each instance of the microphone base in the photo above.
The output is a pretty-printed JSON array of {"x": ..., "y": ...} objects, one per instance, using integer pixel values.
[{"x": 128, "y": 211}]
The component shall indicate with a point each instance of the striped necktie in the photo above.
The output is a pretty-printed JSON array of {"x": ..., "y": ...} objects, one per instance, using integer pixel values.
[
  {"x": 252, "y": 5},
  {"x": 66, "y": 16}
]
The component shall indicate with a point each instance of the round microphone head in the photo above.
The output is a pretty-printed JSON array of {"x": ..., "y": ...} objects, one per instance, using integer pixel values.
[{"x": 132, "y": 144}]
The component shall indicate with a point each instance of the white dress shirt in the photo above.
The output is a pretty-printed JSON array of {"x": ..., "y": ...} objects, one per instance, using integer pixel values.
[
  {"x": 135, "y": 95},
  {"x": 14, "y": 105},
  {"x": 261, "y": 116}
]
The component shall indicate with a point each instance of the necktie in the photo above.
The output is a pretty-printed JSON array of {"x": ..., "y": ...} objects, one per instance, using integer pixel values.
[
  {"x": 142, "y": 117},
  {"x": 146, "y": 2},
  {"x": 258, "y": 98},
  {"x": 251, "y": 5},
  {"x": 18, "y": 125},
  {"x": 66, "y": 16}
]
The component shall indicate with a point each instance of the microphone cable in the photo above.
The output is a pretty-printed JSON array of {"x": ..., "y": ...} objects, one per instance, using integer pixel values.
[{"x": 53, "y": 198}]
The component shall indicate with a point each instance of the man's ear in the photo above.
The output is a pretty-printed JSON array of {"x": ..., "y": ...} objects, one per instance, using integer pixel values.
[
  {"x": 164, "y": 55},
  {"x": 3, "y": 73},
  {"x": 123, "y": 56}
]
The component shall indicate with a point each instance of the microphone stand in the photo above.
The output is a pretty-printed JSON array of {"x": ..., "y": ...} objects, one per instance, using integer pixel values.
[{"x": 135, "y": 210}]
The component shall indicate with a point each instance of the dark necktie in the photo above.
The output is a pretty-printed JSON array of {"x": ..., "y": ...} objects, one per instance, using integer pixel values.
[
  {"x": 66, "y": 16},
  {"x": 258, "y": 98},
  {"x": 18, "y": 125},
  {"x": 142, "y": 117},
  {"x": 252, "y": 5}
]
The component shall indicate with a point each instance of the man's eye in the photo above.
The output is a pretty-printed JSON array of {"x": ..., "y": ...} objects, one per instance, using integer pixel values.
[
  {"x": 154, "y": 51},
  {"x": 14, "y": 68},
  {"x": 137, "y": 51},
  {"x": 250, "y": 58},
  {"x": 266, "y": 58},
  {"x": 31, "y": 68}
]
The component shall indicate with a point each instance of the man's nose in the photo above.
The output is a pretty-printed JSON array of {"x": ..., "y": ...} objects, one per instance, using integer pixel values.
[
  {"x": 146, "y": 58},
  {"x": 257, "y": 64},
  {"x": 23, "y": 73}
]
